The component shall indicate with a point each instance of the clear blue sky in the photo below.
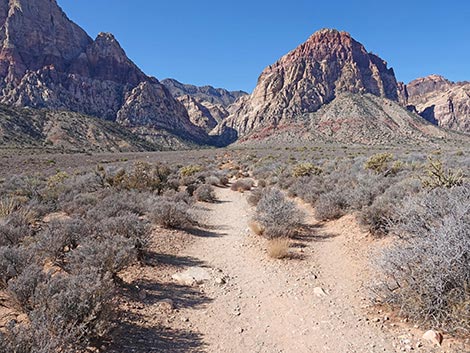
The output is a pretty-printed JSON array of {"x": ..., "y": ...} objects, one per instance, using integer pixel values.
[{"x": 228, "y": 43}]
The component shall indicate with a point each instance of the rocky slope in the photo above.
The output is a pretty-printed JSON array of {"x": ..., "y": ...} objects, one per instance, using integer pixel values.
[
  {"x": 330, "y": 89},
  {"x": 47, "y": 61},
  {"x": 67, "y": 131},
  {"x": 203, "y": 113},
  {"x": 218, "y": 96},
  {"x": 353, "y": 118},
  {"x": 441, "y": 101}
]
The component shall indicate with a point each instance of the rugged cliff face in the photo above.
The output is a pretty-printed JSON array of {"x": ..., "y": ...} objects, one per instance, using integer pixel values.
[
  {"x": 47, "y": 61},
  {"x": 441, "y": 101},
  {"x": 329, "y": 63},
  {"x": 203, "y": 113}
]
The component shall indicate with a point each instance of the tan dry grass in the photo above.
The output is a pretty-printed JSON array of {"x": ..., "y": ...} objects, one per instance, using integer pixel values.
[
  {"x": 255, "y": 227},
  {"x": 278, "y": 248}
]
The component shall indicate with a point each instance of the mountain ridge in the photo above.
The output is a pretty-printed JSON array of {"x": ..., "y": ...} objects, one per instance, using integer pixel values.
[
  {"x": 47, "y": 61},
  {"x": 329, "y": 64}
]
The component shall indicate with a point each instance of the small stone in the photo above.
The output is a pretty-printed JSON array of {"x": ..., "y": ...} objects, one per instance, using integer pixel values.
[
  {"x": 319, "y": 292},
  {"x": 434, "y": 337},
  {"x": 166, "y": 304},
  {"x": 220, "y": 280}
]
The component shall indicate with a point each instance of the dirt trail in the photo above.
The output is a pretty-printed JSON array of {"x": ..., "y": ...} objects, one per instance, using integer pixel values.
[{"x": 270, "y": 306}]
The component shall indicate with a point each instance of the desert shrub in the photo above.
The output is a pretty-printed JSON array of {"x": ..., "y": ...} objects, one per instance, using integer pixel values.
[
  {"x": 205, "y": 193},
  {"x": 7, "y": 206},
  {"x": 80, "y": 204},
  {"x": 331, "y": 205},
  {"x": 23, "y": 186},
  {"x": 23, "y": 286},
  {"x": 126, "y": 225},
  {"x": 242, "y": 185},
  {"x": 309, "y": 189},
  {"x": 13, "y": 260},
  {"x": 427, "y": 270},
  {"x": 142, "y": 177},
  {"x": 81, "y": 301},
  {"x": 105, "y": 255},
  {"x": 180, "y": 196},
  {"x": 13, "y": 229},
  {"x": 439, "y": 176},
  {"x": 60, "y": 237},
  {"x": 118, "y": 203},
  {"x": 365, "y": 188},
  {"x": 278, "y": 248},
  {"x": 306, "y": 169},
  {"x": 171, "y": 214},
  {"x": 379, "y": 163},
  {"x": 213, "y": 180},
  {"x": 277, "y": 215},
  {"x": 190, "y": 170},
  {"x": 255, "y": 196},
  {"x": 224, "y": 181},
  {"x": 378, "y": 216},
  {"x": 262, "y": 183}
]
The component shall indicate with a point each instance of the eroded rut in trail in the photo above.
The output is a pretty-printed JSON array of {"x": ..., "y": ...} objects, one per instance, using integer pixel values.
[{"x": 272, "y": 306}]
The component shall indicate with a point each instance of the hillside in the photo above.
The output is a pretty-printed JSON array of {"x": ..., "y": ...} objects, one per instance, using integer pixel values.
[{"x": 67, "y": 131}]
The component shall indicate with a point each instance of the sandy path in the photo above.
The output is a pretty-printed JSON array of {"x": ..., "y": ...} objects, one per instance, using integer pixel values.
[{"x": 270, "y": 306}]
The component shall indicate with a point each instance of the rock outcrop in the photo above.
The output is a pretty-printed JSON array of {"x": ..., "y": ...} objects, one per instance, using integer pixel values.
[
  {"x": 441, "y": 101},
  {"x": 203, "y": 113},
  {"x": 330, "y": 88},
  {"x": 47, "y": 61},
  {"x": 217, "y": 96}
]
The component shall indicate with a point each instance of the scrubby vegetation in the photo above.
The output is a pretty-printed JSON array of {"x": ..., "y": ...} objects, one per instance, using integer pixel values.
[
  {"x": 422, "y": 202},
  {"x": 65, "y": 240}
]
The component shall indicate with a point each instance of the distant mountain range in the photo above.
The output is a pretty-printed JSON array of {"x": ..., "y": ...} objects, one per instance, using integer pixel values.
[{"x": 329, "y": 88}]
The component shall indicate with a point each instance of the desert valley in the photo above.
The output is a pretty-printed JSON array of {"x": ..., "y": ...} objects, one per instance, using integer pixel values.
[{"x": 326, "y": 211}]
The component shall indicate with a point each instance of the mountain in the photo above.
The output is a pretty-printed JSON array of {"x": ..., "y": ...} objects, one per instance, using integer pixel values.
[
  {"x": 330, "y": 65},
  {"x": 203, "y": 113},
  {"x": 441, "y": 101},
  {"x": 218, "y": 96},
  {"x": 68, "y": 131},
  {"x": 206, "y": 106},
  {"x": 47, "y": 61}
]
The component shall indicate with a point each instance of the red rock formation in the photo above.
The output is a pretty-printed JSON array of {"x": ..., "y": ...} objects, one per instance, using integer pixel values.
[
  {"x": 329, "y": 88},
  {"x": 328, "y": 63}
]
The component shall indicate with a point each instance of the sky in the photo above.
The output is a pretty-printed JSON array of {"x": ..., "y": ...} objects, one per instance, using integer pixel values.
[{"x": 227, "y": 43}]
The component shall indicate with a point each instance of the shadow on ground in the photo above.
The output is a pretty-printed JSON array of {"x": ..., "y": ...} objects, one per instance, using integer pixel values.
[
  {"x": 156, "y": 339},
  {"x": 309, "y": 232}
]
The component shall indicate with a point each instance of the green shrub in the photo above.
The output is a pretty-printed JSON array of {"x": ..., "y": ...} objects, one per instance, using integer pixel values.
[
  {"x": 190, "y": 170},
  {"x": 379, "y": 163},
  {"x": 306, "y": 169},
  {"x": 438, "y": 176}
]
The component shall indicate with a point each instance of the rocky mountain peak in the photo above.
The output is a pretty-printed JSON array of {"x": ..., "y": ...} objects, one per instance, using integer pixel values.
[
  {"x": 35, "y": 33},
  {"x": 328, "y": 63},
  {"x": 428, "y": 84},
  {"x": 47, "y": 61},
  {"x": 441, "y": 101}
]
